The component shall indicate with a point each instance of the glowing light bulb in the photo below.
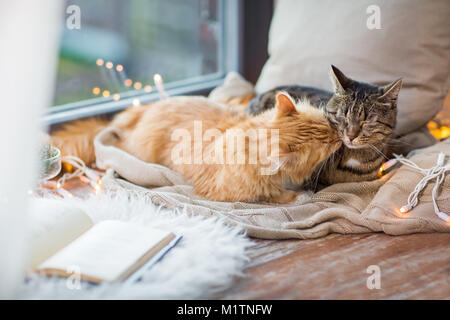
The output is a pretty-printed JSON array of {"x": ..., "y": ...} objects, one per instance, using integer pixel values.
[
  {"x": 97, "y": 187},
  {"x": 128, "y": 82},
  {"x": 136, "y": 102},
  {"x": 148, "y": 88},
  {"x": 99, "y": 62},
  {"x": 106, "y": 93},
  {"x": 386, "y": 166},
  {"x": 116, "y": 96},
  {"x": 58, "y": 185},
  {"x": 109, "y": 65},
  {"x": 157, "y": 78},
  {"x": 404, "y": 209},
  {"x": 119, "y": 68},
  {"x": 445, "y": 132},
  {"x": 137, "y": 85},
  {"x": 160, "y": 85},
  {"x": 96, "y": 91},
  {"x": 380, "y": 171}
]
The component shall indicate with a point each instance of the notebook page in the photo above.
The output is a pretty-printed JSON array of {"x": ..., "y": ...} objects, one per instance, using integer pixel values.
[
  {"x": 106, "y": 250},
  {"x": 60, "y": 223}
]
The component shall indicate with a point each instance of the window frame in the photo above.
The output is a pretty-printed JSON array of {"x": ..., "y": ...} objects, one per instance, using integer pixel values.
[{"x": 229, "y": 56}]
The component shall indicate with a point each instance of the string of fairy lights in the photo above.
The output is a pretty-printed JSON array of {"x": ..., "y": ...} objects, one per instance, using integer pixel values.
[
  {"x": 74, "y": 166},
  {"x": 436, "y": 173},
  {"x": 116, "y": 74},
  {"x": 77, "y": 168}
]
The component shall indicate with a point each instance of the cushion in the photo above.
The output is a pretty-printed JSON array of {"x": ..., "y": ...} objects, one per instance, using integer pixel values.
[
  {"x": 413, "y": 42},
  {"x": 235, "y": 90}
]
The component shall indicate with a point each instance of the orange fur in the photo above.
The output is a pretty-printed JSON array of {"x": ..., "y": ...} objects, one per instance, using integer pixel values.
[
  {"x": 76, "y": 138},
  {"x": 305, "y": 140}
]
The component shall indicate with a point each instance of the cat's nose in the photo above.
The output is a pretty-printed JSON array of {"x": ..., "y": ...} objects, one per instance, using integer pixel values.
[{"x": 352, "y": 133}]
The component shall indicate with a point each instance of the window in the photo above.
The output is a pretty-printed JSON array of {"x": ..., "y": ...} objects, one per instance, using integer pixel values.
[{"x": 109, "y": 56}]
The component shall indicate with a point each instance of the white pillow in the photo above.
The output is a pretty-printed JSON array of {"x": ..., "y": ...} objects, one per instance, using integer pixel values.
[{"x": 306, "y": 37}]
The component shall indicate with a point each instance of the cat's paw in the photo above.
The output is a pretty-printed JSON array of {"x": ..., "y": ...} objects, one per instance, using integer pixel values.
[
  {"x": 304, "y": 195},
  {"x": 286, "y": 196}
]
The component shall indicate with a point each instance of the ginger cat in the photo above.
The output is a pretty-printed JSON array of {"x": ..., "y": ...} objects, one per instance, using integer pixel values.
[{"x": 230, "y": 156}]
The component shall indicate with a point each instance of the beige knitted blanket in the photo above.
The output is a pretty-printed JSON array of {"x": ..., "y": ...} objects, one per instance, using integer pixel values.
[{"x": 342, "y": 208}]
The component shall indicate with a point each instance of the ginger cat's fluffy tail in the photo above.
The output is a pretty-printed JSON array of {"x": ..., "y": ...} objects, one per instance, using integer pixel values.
[{"x": 77, "y": 138}]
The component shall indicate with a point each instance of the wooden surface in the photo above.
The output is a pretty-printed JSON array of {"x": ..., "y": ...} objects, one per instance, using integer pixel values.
[{"x": 335, "y": 267}]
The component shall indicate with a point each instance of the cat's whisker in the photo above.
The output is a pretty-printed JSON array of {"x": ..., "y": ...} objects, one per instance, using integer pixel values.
[
  {"x": 378, "y": 151},
  {"x": 316, "y": 178},
  {"x": 392, "y": 142}
]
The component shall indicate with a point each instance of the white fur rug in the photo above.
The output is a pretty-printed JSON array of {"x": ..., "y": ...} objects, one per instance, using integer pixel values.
[{"x": 207, "y": 260}]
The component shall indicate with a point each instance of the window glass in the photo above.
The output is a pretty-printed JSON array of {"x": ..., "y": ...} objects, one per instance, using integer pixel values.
[{"x": 111, "y": 47}]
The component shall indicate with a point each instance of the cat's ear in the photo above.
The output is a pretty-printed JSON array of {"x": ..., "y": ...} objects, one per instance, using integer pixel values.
[
  {"x": 285, "y": 104},
  {"x": 390, "y": 91},
  {"x": 339, "y": 80}
]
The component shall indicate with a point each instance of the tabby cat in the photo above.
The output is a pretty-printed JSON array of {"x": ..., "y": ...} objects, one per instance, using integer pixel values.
[{"x": 364, "y": 115}]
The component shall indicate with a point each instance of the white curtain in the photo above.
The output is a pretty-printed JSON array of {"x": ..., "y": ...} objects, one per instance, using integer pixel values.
[{"x": 29, "y": 34}]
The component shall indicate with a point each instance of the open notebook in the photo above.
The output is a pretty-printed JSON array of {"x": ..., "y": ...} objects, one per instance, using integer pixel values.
[{"x": 110, "y": 250}]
